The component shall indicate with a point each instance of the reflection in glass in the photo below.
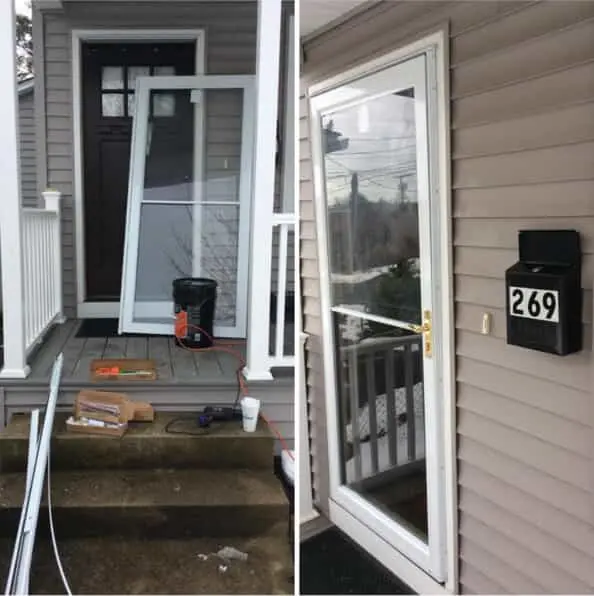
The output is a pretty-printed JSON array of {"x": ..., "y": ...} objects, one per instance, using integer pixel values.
[
  {"x": 163, "y": 104},
  {"x": 371, "y": 187},
  {"x": 220, "y": 235},
  {"x": 382, "y": 425},
  {"x": 112, "y": 105}
]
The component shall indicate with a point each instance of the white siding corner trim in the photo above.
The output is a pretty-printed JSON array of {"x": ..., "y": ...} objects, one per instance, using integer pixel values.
[{"x": 89, "y": 309}]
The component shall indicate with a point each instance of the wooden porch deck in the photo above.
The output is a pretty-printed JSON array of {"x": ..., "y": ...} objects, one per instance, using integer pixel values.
[{"x": 175, "y": 365}]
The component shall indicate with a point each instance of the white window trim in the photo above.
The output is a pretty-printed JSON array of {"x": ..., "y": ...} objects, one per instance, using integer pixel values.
[
  {"x": 439, "y": 89},
  {"x": 87, "y": 309}
]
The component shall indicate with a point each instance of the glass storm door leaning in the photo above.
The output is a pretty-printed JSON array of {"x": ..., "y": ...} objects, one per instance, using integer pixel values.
[
  {"x": 377, "y": 232},
  {"x": 188, "y": 199}
]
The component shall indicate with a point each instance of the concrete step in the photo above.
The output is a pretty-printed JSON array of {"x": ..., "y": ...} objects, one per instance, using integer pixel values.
[
  {"x": 111, "y": 565},
  {"x": 145, "y": 445},
  {"x": 158, "y": 503}
]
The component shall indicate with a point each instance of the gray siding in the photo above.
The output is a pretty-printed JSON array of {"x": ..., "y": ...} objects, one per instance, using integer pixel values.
[
  {"x": 522, "y": 86},
  {"x": 27, "y": 149}
]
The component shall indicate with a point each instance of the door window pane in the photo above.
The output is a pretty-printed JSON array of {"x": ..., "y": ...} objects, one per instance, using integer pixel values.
[
  {"x": 112, "y": 77},
  {"x": 164, "y": 71},
  {"x": 163, "y": 105},
  {"x": 131, "y": 97},
  {"x": 137, "y": 71},
  {"x": 371, "y": 187},
  {"x": 112, "y": 105}
]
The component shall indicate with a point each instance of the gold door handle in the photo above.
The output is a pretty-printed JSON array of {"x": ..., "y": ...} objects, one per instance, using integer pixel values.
[{"x": 426, "y": 330}]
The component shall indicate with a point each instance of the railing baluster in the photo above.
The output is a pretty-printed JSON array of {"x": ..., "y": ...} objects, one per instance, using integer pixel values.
[
  {"x": 27, "y": 276},
  {"x": 371, "y": 406},
  {"x": 41, "y": 235},
  {"x": 410, "y": 401},
  {"x": 354, "y": 394},
  {"x": 391, "y": 407}
]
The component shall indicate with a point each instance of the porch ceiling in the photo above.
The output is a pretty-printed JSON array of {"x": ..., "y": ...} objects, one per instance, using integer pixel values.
[{"x": 317, "y": 15}]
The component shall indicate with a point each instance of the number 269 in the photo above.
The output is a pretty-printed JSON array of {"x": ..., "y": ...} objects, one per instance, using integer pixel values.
[{"x": 536, "y": 304}]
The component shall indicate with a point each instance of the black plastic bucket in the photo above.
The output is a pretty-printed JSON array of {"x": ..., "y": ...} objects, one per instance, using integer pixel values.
[{"x": 194, "y": 299}]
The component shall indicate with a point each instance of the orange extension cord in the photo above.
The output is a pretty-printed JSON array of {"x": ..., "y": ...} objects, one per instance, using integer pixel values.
[{"x": 243, "y": 388}]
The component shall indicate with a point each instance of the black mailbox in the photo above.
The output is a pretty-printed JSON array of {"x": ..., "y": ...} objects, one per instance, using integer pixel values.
[{"x": 544, "y": 292}]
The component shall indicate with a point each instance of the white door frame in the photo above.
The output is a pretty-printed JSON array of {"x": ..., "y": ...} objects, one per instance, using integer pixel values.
[
  {"x": 375, "y": 531},
  {"x": 84, "y": 308},
  {"x": 144, "y": 86}
]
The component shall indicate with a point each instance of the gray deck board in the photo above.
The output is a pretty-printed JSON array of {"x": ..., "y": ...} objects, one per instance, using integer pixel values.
[
  {"x": 115, "y": 347},
  {"x": 137, "y": 347},
  {"x": 43, "y": 359},
  {"x": 175, "y": 365},
  {"x": 183, "y": 363},
  {"x": 158, "y": 350}
]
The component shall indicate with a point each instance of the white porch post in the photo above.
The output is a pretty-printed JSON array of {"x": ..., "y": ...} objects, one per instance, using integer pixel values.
[
  {"x": 267, "y": 83},
  {"x": 11, "y": 245}
]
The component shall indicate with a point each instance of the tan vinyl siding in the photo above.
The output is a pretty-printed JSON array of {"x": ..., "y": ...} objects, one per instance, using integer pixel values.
[
  {"x": 27, "y": 152},
  {"x": 230, "y": 49},
  {"x": 522, "y": 87},
  {"x": 311, "y": 318}
]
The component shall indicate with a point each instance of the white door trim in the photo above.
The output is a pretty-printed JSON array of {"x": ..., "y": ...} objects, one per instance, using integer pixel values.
[
  {"x": 78, "y": 36},
  {"x": 434, "y": 48},
  {"x": 144, "y": 86}
]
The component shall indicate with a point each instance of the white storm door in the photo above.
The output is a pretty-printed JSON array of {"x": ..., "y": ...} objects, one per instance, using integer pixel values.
[
  {"x": 189, "y": 199},
  {"x": 377, "y": 234}
]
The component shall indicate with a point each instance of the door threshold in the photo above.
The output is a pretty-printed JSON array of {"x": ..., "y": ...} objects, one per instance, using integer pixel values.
[{"x": 98, "y": 310}]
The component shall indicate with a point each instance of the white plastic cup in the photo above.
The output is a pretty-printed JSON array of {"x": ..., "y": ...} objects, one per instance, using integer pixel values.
[{"x": 250, "y": 407}]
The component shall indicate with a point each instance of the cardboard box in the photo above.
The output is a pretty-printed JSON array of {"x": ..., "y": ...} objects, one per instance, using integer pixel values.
[
  {"x": 109, "y": 407},
  {"x": 103, "y": 405},
  {"x": 76, "y": 427},
  {"x": 143, "y": 412},
  {"x": 123, "y": 369}
]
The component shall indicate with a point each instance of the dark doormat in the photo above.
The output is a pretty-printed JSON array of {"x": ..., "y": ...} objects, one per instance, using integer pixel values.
[
  {"x": 102, "y": 328},
  {"x": 331, "y": 563}
]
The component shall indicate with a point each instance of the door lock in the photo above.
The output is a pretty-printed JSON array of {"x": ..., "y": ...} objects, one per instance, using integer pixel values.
[{"x": 427, "y": 331}]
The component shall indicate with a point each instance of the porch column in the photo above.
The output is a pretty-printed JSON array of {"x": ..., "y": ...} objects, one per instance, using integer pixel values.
[
  {"x": 11, "y": 246},
  {"x": 267, "y": 82}
]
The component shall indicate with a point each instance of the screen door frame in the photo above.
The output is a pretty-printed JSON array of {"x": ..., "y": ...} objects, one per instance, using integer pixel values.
[
  {"x": 140, "y": 139},
  {"x": 364, "y": 522}
]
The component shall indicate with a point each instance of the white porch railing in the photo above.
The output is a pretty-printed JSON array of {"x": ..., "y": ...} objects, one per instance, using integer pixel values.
[
  {"x": 42, "y": 269},
  {"x": 282, "y": 352}
]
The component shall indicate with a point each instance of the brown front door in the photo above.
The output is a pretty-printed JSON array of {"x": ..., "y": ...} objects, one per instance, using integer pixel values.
[{"x": 109, "y": 72}]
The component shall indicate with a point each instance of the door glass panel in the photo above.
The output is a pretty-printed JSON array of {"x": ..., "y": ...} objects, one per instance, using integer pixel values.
[
  {"x": 370, "y": 164},
  {"x": 189, "y": 212},
  {"x": 112, "y": 105},
  {"x": 112, "y": 77},
  {"x": 163, "y": 104},
  {"x": 373, "y": 220},
  {"x": 137, "y": 71}
]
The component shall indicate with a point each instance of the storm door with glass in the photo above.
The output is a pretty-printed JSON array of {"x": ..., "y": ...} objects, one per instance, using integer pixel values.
[
  {"x": 188, "y": 199},
  {"x": 377, "y": 233}
]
